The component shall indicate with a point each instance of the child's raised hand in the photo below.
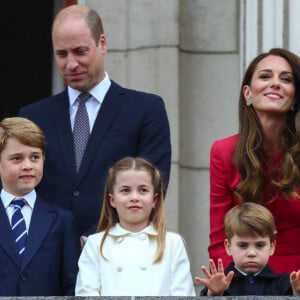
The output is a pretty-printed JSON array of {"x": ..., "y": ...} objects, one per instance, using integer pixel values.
[
  {"x": 295, "y": 282},
  {"x": 216, "y": 281}
]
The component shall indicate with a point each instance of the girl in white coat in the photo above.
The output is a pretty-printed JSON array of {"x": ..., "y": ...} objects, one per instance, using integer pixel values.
[{"x": 132, "y": 254}]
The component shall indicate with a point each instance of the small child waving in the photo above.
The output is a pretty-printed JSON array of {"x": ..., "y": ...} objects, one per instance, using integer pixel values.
[
  {"x": 250, "y": 239},
  {"x": 132, "y": 254}
]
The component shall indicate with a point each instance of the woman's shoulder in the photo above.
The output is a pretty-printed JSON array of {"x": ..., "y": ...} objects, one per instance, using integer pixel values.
[
  {"x": 227, "y": 141},
  {"x": 225, "y": 146}
]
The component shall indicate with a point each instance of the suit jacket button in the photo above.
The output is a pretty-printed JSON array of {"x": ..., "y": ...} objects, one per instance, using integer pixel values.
[
  {"x": 76, "y": 193},
  {"x": 119, "y": 269},
  {"x": 23, "y": 276}
]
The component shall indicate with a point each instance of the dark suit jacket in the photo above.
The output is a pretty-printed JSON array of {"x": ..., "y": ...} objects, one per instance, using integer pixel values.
[
  {"x": 266, "y": 283},
  {"x": 129, "y": 123},
  {"x": 49, "y": 264}
]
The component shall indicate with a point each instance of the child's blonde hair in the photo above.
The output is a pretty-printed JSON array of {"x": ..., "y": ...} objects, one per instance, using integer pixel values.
[
  {"x": 109, "y": 216},
  {"x": 249, "y": 219},
  {"x": 23, "y": 130}
]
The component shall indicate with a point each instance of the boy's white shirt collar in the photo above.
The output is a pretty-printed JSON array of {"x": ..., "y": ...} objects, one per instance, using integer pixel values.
[
  {"x": 245, "y": 274},
  {"x": 7, "y": 198}
]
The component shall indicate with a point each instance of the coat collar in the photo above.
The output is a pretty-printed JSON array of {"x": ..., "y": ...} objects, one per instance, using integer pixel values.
[{"x": 118, "y": 231}]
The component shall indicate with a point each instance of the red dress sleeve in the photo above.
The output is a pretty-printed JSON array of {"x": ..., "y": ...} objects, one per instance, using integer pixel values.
[{"x": 223, "y": 179}]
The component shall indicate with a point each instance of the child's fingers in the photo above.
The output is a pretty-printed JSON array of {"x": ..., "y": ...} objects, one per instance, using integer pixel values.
[
  {"x": 200, "y": 280},
  {"x": 205, "y": 271},
  {"x": 229, "y": 277},
  {"x": 212, "y": 266},
  {"x": 220, "y": 266},
  {"x": 293, "y": 276}
]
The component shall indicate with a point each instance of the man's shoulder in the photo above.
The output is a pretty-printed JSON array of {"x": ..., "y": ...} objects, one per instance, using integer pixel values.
[{"x": 133, "y": 93}]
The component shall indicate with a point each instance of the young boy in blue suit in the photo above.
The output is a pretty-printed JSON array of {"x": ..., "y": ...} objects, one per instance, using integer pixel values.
[
  {"x": 250, "y": 239},
  {"x": 48, "y": 265}
]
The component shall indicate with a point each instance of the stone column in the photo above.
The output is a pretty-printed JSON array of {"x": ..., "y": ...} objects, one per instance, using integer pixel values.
[{"x": 209, "y": 68}]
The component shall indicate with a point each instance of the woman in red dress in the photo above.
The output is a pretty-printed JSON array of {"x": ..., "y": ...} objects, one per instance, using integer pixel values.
[{"x": 262, "y": 162}]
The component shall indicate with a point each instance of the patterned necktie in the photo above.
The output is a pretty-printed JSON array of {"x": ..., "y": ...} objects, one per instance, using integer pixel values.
[
  {"x": 81, "y": 131},
  {"x": 18, "y": 225}
]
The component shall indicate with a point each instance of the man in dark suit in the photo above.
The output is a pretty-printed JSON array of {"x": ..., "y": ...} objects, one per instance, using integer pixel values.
[
  {"x": 39, "y": 245},
  {"x": 122, "y": 122}
]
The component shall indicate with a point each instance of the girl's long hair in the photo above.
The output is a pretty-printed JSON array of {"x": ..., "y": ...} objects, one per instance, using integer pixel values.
[{"x": 109, "y": 216}]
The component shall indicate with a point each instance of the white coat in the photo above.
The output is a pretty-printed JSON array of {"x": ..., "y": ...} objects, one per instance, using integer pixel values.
[{"x": 128, "y": 270}]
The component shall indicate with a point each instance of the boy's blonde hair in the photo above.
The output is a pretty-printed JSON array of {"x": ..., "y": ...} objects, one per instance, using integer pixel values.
[
  {"x": 109, "y": 216},
  {"x": 23, "y": 130},
  {"x": 249, "y": 219}
]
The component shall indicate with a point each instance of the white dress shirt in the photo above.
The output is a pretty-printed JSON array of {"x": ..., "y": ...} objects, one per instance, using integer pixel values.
[
  {"x": 129, "y": 268},
  {"x": 26, "y": 209},
  {"x": 93, "y": 104}
]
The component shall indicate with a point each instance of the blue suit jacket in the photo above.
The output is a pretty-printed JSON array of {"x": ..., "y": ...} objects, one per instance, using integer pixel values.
[
  {"x": 129, "y": 123},
  {"x": 49, "y": 264},
  {"x": 266, "y": 283}
]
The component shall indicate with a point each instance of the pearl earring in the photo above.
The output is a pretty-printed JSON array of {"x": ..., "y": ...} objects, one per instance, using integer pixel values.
[{"x": 249, "y": 102}]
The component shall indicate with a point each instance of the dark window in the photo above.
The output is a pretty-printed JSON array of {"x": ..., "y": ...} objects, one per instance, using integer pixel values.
[{"x": 26, "y": 60}]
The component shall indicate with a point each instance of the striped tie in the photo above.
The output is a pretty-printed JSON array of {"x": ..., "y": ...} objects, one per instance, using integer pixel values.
[{"x": 18, "y": 225}]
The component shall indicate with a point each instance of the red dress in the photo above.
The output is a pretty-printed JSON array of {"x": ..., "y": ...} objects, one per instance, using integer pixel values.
[{"x": 224, "y": 177}]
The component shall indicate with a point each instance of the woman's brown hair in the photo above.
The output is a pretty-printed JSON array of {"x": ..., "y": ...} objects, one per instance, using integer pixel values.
[{"x": 249, "y": 155}]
